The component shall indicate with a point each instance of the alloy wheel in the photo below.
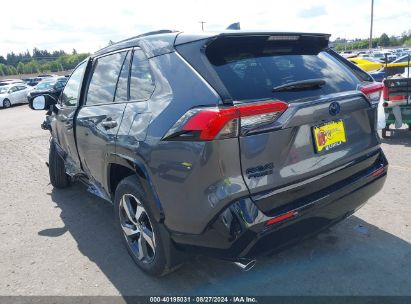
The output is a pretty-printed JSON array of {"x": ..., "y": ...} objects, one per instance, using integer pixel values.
[{"x": 137, "y": 228}]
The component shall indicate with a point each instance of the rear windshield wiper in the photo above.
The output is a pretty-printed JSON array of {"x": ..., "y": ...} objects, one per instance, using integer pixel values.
[{"x": 300, "y": 85}]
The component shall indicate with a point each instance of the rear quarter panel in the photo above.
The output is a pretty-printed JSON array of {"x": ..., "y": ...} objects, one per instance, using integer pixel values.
[{"x": 193, "y": 180}]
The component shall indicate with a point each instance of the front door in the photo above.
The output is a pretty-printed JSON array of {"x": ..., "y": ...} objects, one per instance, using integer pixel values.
[
  {"x": 99, "y": 119},
  {"x": 63, "y": 125}
]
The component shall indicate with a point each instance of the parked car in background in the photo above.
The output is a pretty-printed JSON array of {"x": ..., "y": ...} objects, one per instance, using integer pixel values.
[
  {"x": 390, "y": 56},
  {"x": 383, "y": 56},
  {"x": 33, "y": 81},
  {"x": 365, "y": 64},
  {"x": 398, "y": 66},
  {"x": 348, "y": 54},
  {"x": 13, "y": 94},
  {"x": 403, "y": 59},
  {"x": 50, "y": 86},
  {"x": 10, "y": 82},
  {"x": 377, "y": 75},
  {"x": 6, "y": 80},
  {"x": 377, "y": 56},
  {"x": 47, "y": 75}
]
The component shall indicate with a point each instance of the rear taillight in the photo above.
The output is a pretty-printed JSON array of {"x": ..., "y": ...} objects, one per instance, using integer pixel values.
[
  {"x": 373, "y": 91},
  {"x": 218, "y": 123}
]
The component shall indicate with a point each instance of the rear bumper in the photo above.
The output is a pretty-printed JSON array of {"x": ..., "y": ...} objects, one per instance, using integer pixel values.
[{"x": 241, "y": 231}]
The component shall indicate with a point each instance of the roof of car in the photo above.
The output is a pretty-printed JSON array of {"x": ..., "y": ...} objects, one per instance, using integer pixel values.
[
  {"x": 53, "y": 79},
  {"x": 7, "y": 86},
  {"x": 13, "y": 84},
  {"x": 163, "y": 41},
  {"x": 11, "y": 81}
]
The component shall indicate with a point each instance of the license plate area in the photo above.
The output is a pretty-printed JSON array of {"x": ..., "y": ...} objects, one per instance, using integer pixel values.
[{"x": 329, "y": 135}]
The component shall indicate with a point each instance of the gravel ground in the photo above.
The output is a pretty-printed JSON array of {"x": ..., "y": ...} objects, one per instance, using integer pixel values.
[{"x": 62, "y": 242}]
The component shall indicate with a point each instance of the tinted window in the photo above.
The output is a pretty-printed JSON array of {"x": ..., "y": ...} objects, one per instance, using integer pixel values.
[
  {"x": 141, "y": 80},
  {"x": 70, "y": 94},
  {"x": 104, "y": 79},
  {"x": 45, "y": 85},
  {"x": 250, "y": 67},
  {"x": 122, "y": 85},
  {"x": 59, "y": 85}
]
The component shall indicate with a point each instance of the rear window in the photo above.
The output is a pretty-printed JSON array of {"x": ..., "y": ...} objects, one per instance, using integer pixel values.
[{"x": 250, "y": 67}]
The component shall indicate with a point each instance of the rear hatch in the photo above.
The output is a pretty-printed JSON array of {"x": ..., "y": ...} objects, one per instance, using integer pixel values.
[{"x": 325, "y": 133}]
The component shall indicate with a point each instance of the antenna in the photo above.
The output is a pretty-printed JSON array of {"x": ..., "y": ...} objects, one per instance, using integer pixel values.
[{"x": 202, "y": 25}]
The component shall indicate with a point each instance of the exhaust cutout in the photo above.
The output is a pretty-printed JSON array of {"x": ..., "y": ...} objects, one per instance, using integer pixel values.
[{"x": 245, "y": 265}]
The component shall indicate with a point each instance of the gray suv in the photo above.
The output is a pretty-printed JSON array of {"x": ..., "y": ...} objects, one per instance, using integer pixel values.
[{"x": 230, "y": 144}]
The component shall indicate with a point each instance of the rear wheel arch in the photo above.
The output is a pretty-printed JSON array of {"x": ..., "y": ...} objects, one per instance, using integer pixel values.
[
  {"x": 120, "y": 168},
  {"x": 116, "y": 174}
]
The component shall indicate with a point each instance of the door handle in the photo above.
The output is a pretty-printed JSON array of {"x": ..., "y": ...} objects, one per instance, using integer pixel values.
[{"x": 109, "y": 124}]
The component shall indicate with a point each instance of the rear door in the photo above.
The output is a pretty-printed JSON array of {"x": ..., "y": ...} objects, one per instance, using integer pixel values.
[
  {"x": 22, "y": 94},
  {"x": 98, "y": 120},
  {"x": 13, "y": 95}
]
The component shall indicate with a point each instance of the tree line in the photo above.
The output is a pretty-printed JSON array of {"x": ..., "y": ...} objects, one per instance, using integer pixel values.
[
  {"x": 384, "y": 40},
  {"x": 39, "y": 61}
]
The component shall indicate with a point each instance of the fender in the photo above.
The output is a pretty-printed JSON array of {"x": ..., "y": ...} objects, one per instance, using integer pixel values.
[{"x": 142, "y": 172}]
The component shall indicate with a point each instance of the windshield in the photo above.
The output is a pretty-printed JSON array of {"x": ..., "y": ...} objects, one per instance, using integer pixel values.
[
  {"x": 44, "y": 85},
  {"x": 3, "y": 90}
]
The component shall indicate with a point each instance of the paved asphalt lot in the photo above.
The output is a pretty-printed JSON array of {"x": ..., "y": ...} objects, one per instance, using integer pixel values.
[{"x": 62, "y": 242}]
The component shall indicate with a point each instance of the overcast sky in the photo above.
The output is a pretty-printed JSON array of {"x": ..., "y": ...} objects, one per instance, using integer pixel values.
[{"x": 89, "y": 25}]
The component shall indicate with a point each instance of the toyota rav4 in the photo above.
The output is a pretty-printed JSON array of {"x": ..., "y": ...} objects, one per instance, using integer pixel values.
[{"x": 230, "y": 144}]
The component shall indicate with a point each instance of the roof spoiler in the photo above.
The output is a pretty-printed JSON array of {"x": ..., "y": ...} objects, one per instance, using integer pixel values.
[{"x": 183, "y": 38}]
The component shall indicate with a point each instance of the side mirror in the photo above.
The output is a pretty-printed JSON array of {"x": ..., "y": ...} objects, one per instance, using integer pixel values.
[
  {"x": 39, "y": 103},
  {"x": 42, "y": 102}
]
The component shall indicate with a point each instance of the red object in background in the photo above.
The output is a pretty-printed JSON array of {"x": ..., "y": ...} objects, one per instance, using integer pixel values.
[{"x": 321, "y": 138}]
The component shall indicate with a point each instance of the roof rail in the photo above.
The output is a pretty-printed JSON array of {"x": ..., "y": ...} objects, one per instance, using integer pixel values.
[
  {"x": 141, "y": 35},
  {"x": 149, "y": 34}
]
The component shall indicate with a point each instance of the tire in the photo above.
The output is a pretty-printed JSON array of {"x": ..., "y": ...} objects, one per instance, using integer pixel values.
[
  {"x": 146, "y": 240},
  {"x": 58, "y": 177},
  {"x": 6, "y": 103}
]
